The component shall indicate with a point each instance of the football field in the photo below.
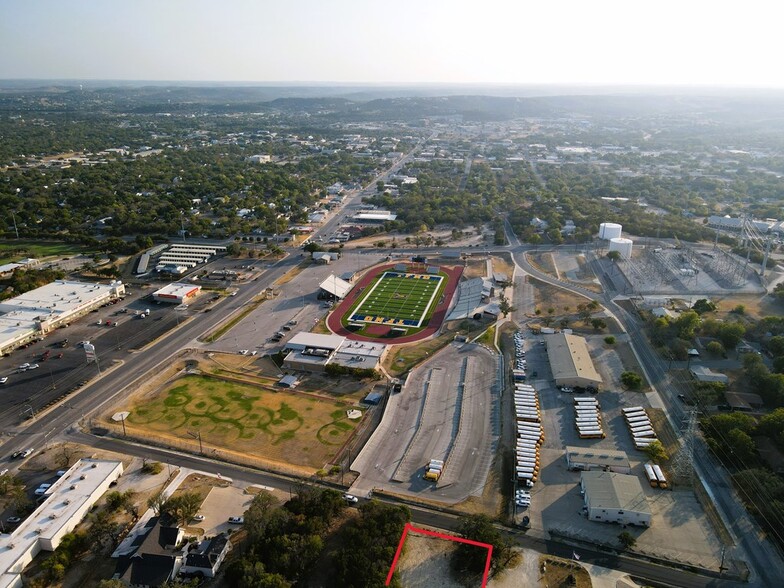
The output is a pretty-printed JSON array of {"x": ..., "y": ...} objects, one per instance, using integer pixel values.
[{"x": 399, "y": 299}]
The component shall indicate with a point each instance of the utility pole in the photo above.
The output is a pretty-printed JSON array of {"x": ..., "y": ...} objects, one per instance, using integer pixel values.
[
  {"x": 16, "y": 230},
  {"x": 197, "y": 435}
]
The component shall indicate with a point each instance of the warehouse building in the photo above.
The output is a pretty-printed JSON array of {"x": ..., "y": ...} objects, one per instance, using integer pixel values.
[
  {"x": 334, "y": 288},
  {"x": 571, "y": 362},
  {"x": 615, "y": 498},
  {"x": 176, "y": 293},
  {"x": 67, "y": 502},
  {"x": 33, "y": 314},
  {"x": 589, "y": 459}
]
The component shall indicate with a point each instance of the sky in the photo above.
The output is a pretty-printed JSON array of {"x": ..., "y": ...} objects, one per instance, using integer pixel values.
[{"x": 634, "y": 42}]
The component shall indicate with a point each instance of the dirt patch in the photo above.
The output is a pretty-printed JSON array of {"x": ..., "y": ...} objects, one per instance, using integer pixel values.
[
  {"x": 200, "y": 484},
  {"x": 504, "y": 265},
  {"x": 475, "y": 268},
  {"x": 548, "y": 296},
  {"x": 562, "y": 573},
  {"x": 425, "y": 563},
  {"x": 544, "y": 262}
]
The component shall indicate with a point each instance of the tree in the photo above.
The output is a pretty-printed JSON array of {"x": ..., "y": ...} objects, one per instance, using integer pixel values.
[
  {"x": 470, "y": 561},
  {"x": 111, "y": 584},
  {"x": 614, "y": 256},
  {"x": 505, "y": 306},
  {"x": 610, "y": 340},
  {"x": 631, "y": 380},
  {"x": 656, "y": 452},
  {"x": 703, "y": 305},
  {"x": 598, "y": 324},
  {"x": 182, "y": 508},
  {"x": 156, "y": 502},
  {"x": 687, "y": 324},
  {"x": 715, "y": 348},
  {"x": 776, "y": 345},
  {"x": 730, "y": 334},
  {"x": 627, "y": 540}
]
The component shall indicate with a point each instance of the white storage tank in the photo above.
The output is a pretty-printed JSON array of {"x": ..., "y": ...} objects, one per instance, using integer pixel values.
[
  {"x": 622, "y": 246},
  {"x": 610, "y": 231}
]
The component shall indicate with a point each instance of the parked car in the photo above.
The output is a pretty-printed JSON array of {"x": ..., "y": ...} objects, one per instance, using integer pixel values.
[
  {"x": 350, "y": 498},
  {"x": 198, "y": 518},
  {"x": 236, "y": 520},
  {"x": 41, "y": 490},
  {"x": 13, "y": 520},
  {"x": 26, "y": 453},
  {"x": 3, "y": 380}
]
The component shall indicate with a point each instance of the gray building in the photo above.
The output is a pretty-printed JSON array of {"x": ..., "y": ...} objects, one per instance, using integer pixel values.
[{"x": 615, "y": 498}]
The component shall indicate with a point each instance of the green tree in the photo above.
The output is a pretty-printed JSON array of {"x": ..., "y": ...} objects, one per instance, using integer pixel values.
[
  {"x": 686, "y": 324},
  {"x": 614, "y": 256},
  {"x": 467, "y": 560},
  {"x": 598, "y": 324},
  {"x": 631, "y": 380},
  {"x": 505, "y": 306},
  {"x": 183, "y": 507},
  {"x": 656, "y": 452},
  {"x": 703, "y": 305},
  {"x": 610, "y": 340},
  {"x": 627, "y": 540},
  {"x": 715, "y": 348},
  {"x": 156, "y": 502}
]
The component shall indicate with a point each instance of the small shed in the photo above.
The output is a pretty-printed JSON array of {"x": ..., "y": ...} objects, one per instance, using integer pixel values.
[
  {"x": 288, "y": 381},
  {"x": 373, "y": 398}
]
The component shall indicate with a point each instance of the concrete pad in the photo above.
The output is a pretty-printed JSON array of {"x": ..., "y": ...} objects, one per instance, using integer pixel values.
[{"x": 220, "y": 504}]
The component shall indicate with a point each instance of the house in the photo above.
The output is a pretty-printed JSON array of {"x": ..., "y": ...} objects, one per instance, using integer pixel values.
[
  {"x": 156, "y": 559},
  {"x": 705, "y": 374},
  {"x": 207, "y": 557}
]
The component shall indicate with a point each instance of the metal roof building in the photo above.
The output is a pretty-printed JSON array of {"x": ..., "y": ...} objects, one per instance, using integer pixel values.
[
  {"x": 582, "y": 458},
  {"x": 176, "y": 292},
  {"x": 67, "y": 502},
  {"x": 615, "y": 498},
  {"x": 336, "y": 287},
  {"x": 571, "y": 362}
]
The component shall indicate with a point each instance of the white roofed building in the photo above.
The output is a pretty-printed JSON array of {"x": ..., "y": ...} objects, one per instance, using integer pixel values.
[
  {"x": 334, "y": 288},
  {"x": 35, "y": 313},
  {"x": 67, "y": 502},
  {"x": 176, "y": 293}
]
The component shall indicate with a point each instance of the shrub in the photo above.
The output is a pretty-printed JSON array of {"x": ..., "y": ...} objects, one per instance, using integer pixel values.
[
  {"x": 631, "y": 380},
  {"x": 610, "y": 340},
  {"x": 152, "y": 467}
]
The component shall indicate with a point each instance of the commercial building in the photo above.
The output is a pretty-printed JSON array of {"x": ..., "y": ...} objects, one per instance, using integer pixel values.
[
  {"x": 9, "y": 268},
  {"x": 187, "y": 255},
  {"x": 35, "y": 313},
  {"x": 67, "y": 501},
  {"x": 176, "y": 293},
  {"x": 373, "y": 217},
  {"x": 571, "y": 362},
  {"x": 312, "y": 352},
  {"x": 615, "y": 498},
  {"x": 588, "y": 459}
]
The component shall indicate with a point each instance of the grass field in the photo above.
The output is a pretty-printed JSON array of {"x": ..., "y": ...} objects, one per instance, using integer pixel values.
[
  {"x": 277, "y": 425},
  {"x": 14, "y": 250},
  {"x": 399, "y": 299}
]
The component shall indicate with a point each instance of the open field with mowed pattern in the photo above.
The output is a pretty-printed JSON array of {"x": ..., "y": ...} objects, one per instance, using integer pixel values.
[{"x": 277, "y": 425}]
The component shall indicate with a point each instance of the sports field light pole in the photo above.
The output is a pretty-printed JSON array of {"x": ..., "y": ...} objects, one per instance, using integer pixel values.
[{"x": 197, "y": 435}]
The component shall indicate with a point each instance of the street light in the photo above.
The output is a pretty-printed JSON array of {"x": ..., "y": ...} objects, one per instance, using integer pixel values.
[{"x": 197, "y": 435}]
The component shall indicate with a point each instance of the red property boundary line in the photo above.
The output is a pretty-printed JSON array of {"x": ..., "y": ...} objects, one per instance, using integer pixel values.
[
  {"x": 436, "y": 320},
  {"x": 411, "y": 528}
]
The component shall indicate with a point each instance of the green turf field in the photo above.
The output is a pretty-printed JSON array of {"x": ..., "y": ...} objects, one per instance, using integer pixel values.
[{"x": 401, "y": 299}]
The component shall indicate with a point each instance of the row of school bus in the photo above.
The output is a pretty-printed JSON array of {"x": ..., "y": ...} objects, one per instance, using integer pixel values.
[
  {"x": 587, "y": 418},
  {"x": 655, "y": 475},
  {"x": 530, "y": 433},
  {"x": 640, "y": 426}
]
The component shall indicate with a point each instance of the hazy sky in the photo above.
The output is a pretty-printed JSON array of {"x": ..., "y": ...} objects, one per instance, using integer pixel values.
[{"x": 474, "y": 41}]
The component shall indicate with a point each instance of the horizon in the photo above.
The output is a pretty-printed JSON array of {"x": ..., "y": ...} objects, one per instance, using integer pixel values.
[{"x": 355, "y": 43}]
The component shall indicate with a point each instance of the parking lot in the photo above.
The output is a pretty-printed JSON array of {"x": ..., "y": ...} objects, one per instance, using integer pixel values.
[
  {"x": 297, "y": 300},
  {"x": 432, "y": 419},
  {"x": 680, "y": 529}
]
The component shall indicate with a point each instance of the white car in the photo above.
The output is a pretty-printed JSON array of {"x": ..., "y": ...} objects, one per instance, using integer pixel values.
[
  {"x": 3, "y": 380},
  {"x": 198, "y": 518},
  {"x": 350, "y": 498},
  {"x": 236, "y": 520},
  {"x": 24, "y": 366},
  {"x": 41, "y": 490},
  {"x": 244, "y": 352}
]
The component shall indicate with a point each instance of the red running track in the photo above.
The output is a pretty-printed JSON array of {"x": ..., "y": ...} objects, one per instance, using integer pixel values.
[{"x": 436, "y": 320}]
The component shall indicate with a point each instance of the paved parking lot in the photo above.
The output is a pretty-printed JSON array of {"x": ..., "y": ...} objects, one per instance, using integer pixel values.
[
  {"x": 220, "y": 504},
  {"x": 297, "y": 300},
  {"x": 432, "y": 419}
]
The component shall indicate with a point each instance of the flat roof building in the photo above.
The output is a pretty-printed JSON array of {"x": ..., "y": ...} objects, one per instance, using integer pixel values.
[
  {"x": 312, "y": 352},
  {"x": 615, "y": 498},
  {"x": 68, "y": 500},
  {"x": 335, "y": 287},
  {"x": 373, "y": 217},
  {"x": 588, "y": 459},
  {"x": 571, "y": 362},
  {"x": 176, "y": 293},
  {"x": 35, "y": 313}
]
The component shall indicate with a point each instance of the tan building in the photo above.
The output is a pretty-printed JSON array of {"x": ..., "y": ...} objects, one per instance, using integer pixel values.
[
  {"x": 615, "y": 498},
  {"x": 571, "y": 362}
]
